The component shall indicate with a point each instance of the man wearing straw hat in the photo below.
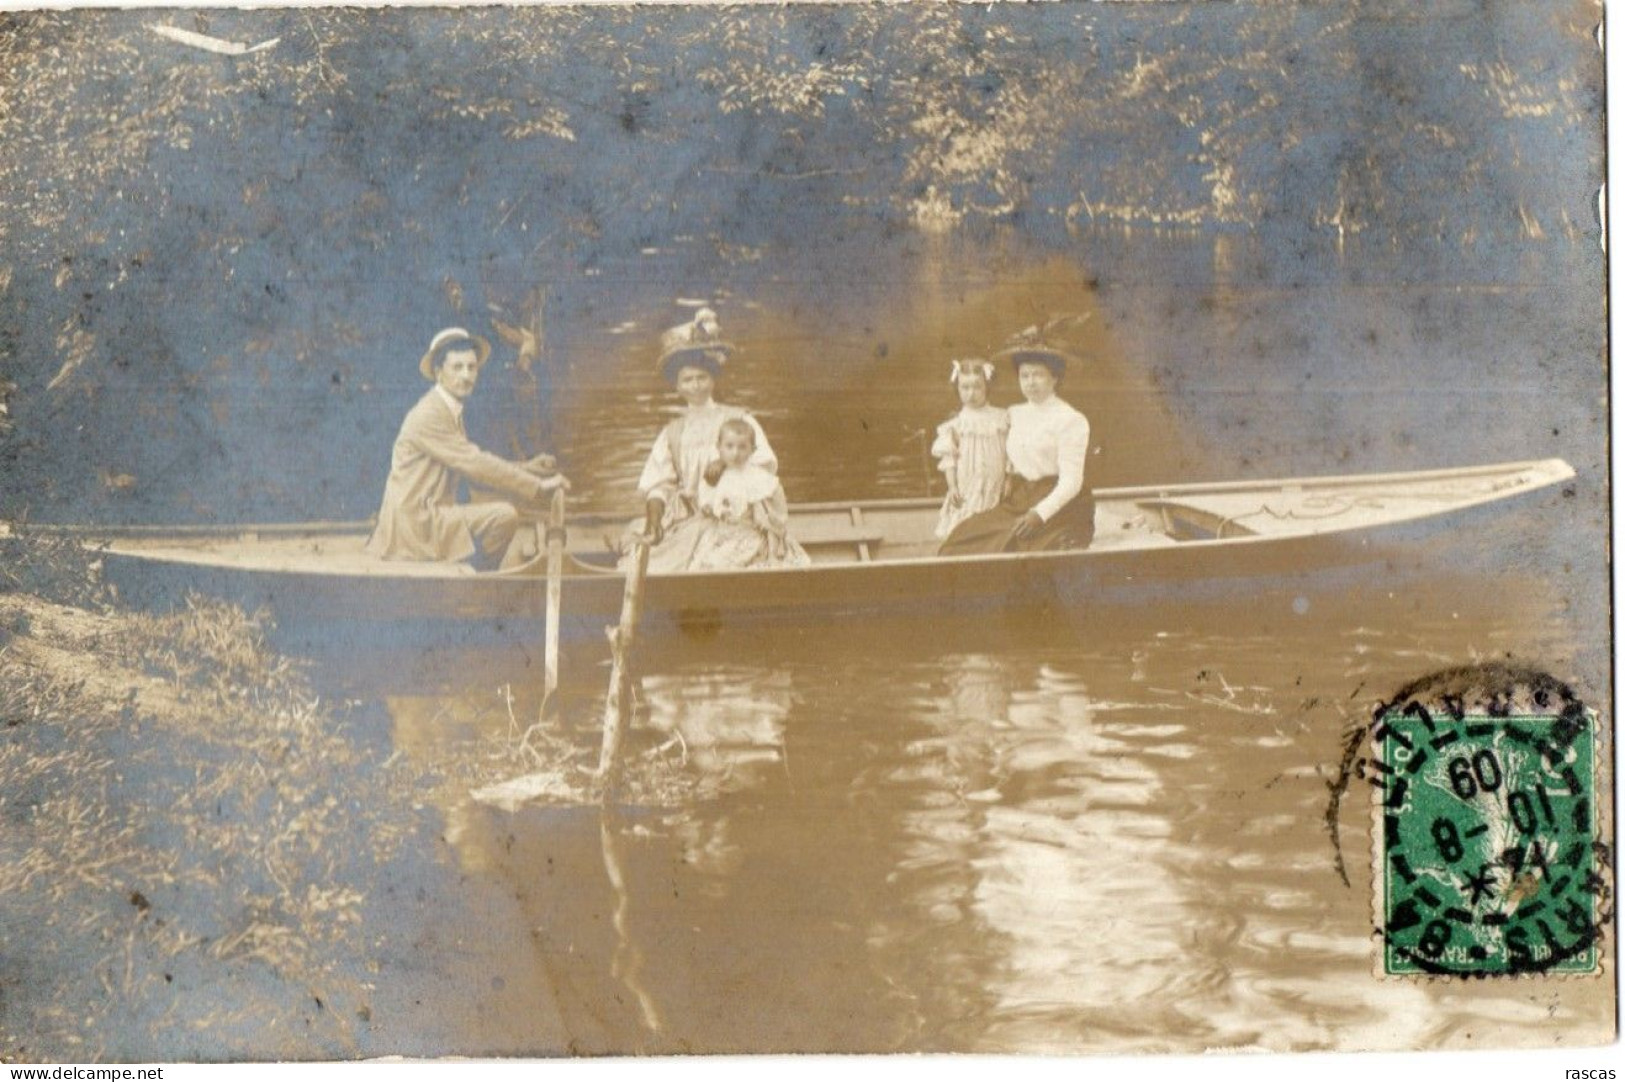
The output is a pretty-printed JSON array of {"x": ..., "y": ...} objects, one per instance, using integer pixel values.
[{"x": 420, "y": 518}]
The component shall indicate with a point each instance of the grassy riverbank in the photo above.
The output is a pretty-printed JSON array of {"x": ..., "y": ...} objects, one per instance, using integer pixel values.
[{"x": 202, "y": 860}]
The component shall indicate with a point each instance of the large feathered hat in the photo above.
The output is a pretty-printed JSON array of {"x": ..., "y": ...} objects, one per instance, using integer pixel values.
[
  {"x": 695, "y": 344},
  {"x": 1031, "y": 346}
]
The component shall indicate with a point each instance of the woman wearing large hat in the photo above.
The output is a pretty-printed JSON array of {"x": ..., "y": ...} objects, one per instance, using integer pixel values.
[
  {"x": 691, "y": 359},
  {"x": 1046, "y": 505}
]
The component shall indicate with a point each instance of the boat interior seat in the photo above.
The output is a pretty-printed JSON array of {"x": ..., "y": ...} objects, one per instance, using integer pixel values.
[
  {"x": 835, "y": 533},
  {"x": 1185, "y": 522},
  {"x": 855, "y": 538}
]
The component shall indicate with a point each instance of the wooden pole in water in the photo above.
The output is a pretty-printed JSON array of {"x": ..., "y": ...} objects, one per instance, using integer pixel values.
[
  {"x": 618, "y": 706},
  {"x": 555, "y": 591}
]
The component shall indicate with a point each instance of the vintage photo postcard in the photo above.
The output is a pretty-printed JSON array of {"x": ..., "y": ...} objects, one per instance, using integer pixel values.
[{"x": 624, "y": 529}]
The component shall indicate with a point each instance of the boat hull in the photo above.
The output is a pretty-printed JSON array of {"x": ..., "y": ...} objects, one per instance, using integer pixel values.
[
  {"x": 1183, "y": 542},
  {"x": 685, "y": 602}
]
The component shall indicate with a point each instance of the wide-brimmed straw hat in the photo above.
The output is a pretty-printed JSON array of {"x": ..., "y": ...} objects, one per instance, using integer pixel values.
[
  {"x": 449, "y": 339},
  {"x": 695, "y": 344}
]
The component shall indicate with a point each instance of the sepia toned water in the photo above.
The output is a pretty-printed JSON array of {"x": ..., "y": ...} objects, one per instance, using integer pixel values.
[
  {"x": 1056, "y": 831},
  {"x": 1081, "y": 837}
]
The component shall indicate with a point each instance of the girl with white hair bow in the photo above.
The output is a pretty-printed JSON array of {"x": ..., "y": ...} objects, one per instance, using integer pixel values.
[{"x": 969, "y": 448}]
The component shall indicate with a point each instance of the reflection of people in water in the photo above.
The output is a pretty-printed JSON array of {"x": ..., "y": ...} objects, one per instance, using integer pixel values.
[
  {"x": 420, "y": 518},
  {"x": 979, "y": 687},
  {"x": 731, "y": 721},
  {"x": 1046, "y": 504},
  {"x": 730, "y": 726},
  {"x": 691, "y": 360}
]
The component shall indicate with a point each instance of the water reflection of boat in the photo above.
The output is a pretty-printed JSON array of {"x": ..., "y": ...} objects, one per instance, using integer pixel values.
[{"x": 869, "y": 555}]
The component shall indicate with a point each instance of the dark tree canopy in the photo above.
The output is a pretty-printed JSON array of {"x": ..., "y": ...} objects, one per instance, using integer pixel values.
[{"x": 238, "y": 227}]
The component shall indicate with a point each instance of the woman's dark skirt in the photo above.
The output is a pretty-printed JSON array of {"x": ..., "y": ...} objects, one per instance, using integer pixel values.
[{"x": 1073, "y": 526}]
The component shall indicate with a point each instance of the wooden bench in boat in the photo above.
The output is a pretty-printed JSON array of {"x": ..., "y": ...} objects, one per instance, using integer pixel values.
[
  {"x": 829, "y": 531},
  {"x": 830, "y": 534},
  {"x": 1183, "y": 521}
]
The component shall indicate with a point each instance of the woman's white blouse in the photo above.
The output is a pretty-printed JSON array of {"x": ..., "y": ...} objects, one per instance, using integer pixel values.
[{"x": 1049, "y": 440}]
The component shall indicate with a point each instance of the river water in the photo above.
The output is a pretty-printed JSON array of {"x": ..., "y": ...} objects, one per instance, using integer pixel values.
[{"x": 1062, "y": 831}]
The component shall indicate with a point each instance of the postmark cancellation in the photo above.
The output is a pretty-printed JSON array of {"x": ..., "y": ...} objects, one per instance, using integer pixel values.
[{"x": 1488, "y": 846}]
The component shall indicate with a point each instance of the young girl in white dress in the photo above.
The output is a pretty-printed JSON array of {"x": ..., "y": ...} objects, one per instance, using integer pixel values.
[
  {"x": 746, "y": 517},
  {"x": 969, "y": 449}
]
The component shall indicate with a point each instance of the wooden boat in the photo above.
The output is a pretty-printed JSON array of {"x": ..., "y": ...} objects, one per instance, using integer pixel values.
[{"x": 867, "y": 555}]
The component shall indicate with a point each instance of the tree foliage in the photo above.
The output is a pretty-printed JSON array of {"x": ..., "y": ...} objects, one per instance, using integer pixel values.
[{"x": 174, "y": 221}]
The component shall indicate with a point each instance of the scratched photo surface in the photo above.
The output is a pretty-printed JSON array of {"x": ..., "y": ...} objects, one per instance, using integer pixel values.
[{"x": 285, "y": 770}]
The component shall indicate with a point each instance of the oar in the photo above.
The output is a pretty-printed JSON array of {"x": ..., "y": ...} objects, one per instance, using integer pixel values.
[
  {"x": 555, "y": 590},
  {"x": 618, "y": 705}
]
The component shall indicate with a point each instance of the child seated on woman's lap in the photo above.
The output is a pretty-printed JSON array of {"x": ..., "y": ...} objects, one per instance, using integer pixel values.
[{"x": 747, "y": 517}]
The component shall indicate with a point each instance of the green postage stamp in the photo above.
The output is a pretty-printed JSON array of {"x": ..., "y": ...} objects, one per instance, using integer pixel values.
[{"x": 1489, "y": 861}]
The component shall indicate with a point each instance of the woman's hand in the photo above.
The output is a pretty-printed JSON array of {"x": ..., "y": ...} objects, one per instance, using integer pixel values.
[
  {"x": 1027, "y": 525},
  {"x": 543, "y": 464},
  {"x": 557, "y": 481},
  {"x": 713, "y": 472},
  {"x": 954, "y": 498}
]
